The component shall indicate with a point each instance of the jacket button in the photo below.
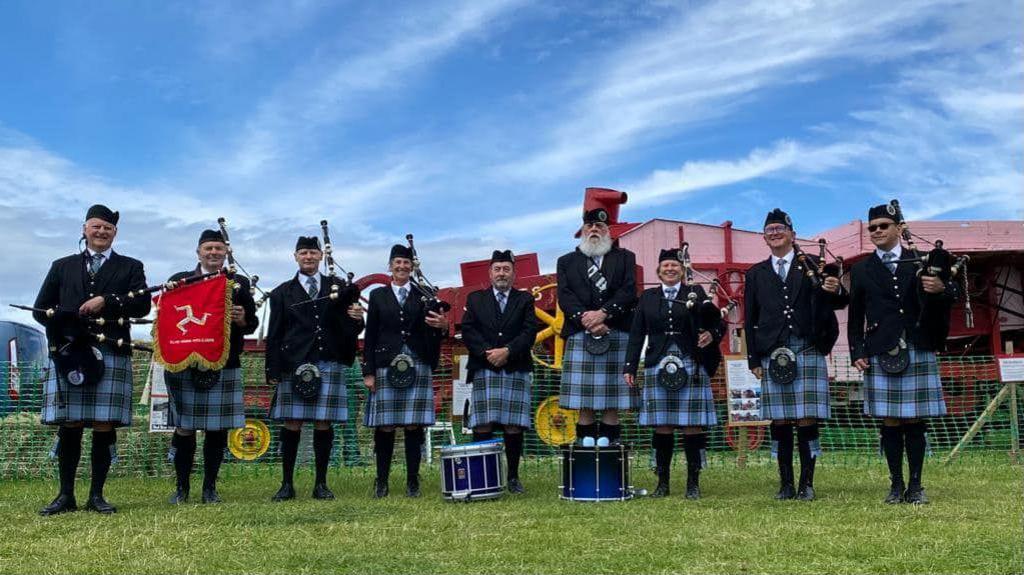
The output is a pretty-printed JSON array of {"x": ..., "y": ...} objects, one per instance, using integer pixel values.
[
  {"x": 499, "y": 334},
  {"x": 790, "y": 327}
]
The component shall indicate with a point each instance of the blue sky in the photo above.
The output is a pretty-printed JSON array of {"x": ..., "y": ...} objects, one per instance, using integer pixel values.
[{"x": 477, "y": 124}]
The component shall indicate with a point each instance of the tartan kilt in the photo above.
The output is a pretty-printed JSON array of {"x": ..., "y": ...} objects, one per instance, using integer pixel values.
[
  {"x": 807, "y": 396},
  {"x": 414, "y": 405},
  {"x": 217, "y": 408},
  {"x": 109, "y": 401},
  {"x": 331, "y": 405},
  {"x": 690, "y": 405},
  {"x": 501, "y": 397},
  {"x": 917, "y": 392},
  {"x": 595, "y": 381}
]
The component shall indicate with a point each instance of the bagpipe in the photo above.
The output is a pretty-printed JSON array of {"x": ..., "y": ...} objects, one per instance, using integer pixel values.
[
  {"x": 938, "y": 262},
  {"x": 708, "y": 315},
  {"x": 342, "y": 289},
  {"x": 234, "y": 266},
  {"x": 419, "y": 282},
  {"x": 818, "y": 273}
]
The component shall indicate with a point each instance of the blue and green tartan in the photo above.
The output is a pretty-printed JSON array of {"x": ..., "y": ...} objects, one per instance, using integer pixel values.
[
  {"x": 109, "y": 401},
  {"x": 214, "y": 409},
  {"x": 501, "y": 397},
  {"x": 414, "y": 405},
  {"x": 807, "y": 396},
  {"x": 691, "y": 405},
  {"x": 595, "y": 381},
  {"x": 331, "y": 405},
  {"x": 917, "y": 392}
]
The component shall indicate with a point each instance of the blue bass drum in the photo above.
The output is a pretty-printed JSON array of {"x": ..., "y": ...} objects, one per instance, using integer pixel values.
[
  {"x": 473, "y": 471},
  {"x": 595, "y": 473}
]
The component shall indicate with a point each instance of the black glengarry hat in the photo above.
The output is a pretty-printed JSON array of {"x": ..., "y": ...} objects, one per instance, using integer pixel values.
[
  {"x": 673, "y": 254},
  {"x": 104, "y": 213},
  {"x": 308, "y": 243},
  {"x": 210, "y": 236},
  {"x": 778, "y": 216},
  {"x": 503, "y": 256},
  {"x": 400, "y": 251}
]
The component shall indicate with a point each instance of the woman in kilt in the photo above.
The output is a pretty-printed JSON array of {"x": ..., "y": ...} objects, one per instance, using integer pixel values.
[
  {"x": 597, "y": 292},
  {"x": 785, "y": 311},
  {"x": 214, "y": 409},
  {"x": 898, "y": 313},
  {"x": 682, "y": 356},
  {"x": 82, "y": 288},
  {"x": 498, "y": 328},
  {"x": 401, "y": 349},
  {"x": 311, "y": 343}
]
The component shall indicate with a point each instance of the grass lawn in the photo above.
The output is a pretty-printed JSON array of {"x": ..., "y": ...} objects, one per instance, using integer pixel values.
[{"x": 974, "y": 525}]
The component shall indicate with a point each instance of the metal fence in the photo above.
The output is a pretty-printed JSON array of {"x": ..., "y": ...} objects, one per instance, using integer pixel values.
[{"x": 969, "y": 383}]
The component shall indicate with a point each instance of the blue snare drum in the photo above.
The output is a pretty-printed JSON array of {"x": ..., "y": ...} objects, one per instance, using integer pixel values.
[
  {"x": 473, "y": 471},
  {"x": 595, "y": 473}
]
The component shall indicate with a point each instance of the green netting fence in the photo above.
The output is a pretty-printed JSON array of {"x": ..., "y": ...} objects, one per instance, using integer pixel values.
[{"x": 969, "y": 383}]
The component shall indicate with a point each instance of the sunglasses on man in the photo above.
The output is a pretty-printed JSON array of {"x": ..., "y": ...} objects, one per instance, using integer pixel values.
[{"x": 882, "y": 227}]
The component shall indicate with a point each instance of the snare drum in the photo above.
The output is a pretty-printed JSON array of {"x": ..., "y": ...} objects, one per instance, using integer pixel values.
[
  {"x": 595, "y": 473},
  {"x": 473, "y": 471}
]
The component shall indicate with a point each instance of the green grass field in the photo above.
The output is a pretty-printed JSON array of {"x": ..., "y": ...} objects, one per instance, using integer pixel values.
[{"x": 974, "y": 525}]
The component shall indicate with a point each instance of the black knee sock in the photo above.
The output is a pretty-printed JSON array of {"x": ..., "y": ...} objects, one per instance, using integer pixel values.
[
  {"x": 103, "y": 445},
  {"x": 213, "y": 455},
  {"x": 612, "y": 432},
  {"x": 413, "y": 452},
  {"x": 323, "y": 441},
  {"x": 513, "y": 452},
  {"x": 289, "y": 452},
  {"x": 586, "y": 430},
  {"x": 384, "y": 448},
  {"x": 184, "y": 457},
  {"x": 914, "y": 438},
  {"x": 69, "y": 451},
  {"x": 782, "y": 445},
  {"x": 483, "y": 435},
  {"x": 810, "y": 448},
  {"x": 694, "y": 447},
  {"x": 892, "y": 447},
  {"x": 664, "y": 445}
]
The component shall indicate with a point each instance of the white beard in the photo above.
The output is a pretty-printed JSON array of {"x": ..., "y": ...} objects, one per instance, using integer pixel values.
[{"x": 596, "y": 248}]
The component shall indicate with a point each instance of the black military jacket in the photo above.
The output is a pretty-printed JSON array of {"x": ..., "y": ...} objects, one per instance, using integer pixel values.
[
  {"x": 773, "y": 310},
  {"x": 485, "y": 327},
  {"x": 310, "y": 332},
  {"x": 576, "y": 294},
  {"x": 389, "y": 326},
  {"x": 662, "y": 323},
  {"x": 68, "y": 285}
]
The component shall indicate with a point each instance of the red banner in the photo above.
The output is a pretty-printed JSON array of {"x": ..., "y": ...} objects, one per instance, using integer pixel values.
[{"x": 193, "y": 323}]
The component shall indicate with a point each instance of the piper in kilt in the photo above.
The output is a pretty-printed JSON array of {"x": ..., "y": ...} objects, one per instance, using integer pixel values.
[
  {"x": 216, "y": 409},
  {"x": 893, "y": 306},
  {"x": 597, "y": 293},
  {"x": 784, "y": 309},
  {"x": 498, "y": 328},
  {"x": 673, "y": 331},
  {"x": 401, "y": 349},
  {"x": 311, "y": 341},
  {"x": 83, "y": 289}
]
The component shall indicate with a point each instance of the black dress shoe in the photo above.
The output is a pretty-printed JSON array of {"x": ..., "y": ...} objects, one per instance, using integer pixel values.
[
  {"x": 662, "y": 490},
  {"x": 806, "y": 493},
  {"x": 62, "y": 504},
  {"x": 98, "y": 504},
  {"x": 321, "y": 491},
  {"x": 180, "y": 496},
  {"x": 786, "y": 492},
  {"x": 692, "y": 490},
  {"x": 916, "y": 496},
  {"x": 286, "y": 492},
  {"x": 380, "y": 489},
  {"x": 515, "y": 486},
  {"x": 895, "y": 494},
  {"x": 210, "y": 495},
  {"x": 412, "y": 488}
]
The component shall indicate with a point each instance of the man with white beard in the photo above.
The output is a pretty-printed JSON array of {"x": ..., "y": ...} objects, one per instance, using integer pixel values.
[{"x": 597, "y": 293}]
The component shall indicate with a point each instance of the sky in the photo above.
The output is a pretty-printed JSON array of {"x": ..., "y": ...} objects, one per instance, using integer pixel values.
[{"x": 477, "y": 124}]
